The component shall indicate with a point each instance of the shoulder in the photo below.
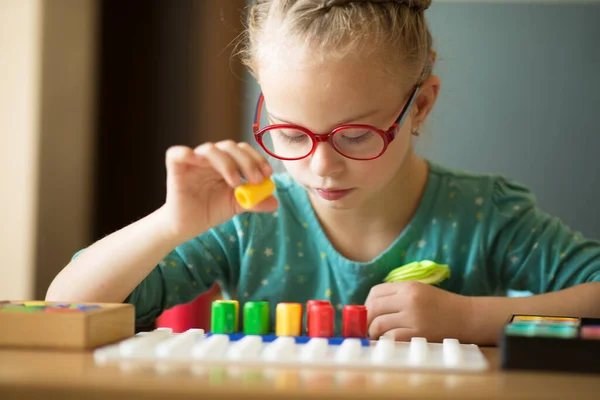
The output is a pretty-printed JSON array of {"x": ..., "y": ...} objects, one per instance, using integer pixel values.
[{"x": 486, "y": 191}]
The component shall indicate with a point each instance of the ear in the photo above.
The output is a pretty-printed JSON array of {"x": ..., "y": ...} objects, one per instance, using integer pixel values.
[{"x": 426, "y": 98}]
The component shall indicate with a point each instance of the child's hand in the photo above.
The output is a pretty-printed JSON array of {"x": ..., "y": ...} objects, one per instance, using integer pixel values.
[
  {"x": 404, "y": 310},
  {"x": 201, "y": 183}
]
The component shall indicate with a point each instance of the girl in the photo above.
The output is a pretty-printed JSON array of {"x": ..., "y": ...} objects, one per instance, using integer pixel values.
[{"x": 347, "y": 86}]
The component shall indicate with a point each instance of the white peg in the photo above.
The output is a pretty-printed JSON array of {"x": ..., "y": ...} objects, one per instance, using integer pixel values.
[
  {"x": 314, "y": 350},
  {"x": 349, "y": 351},
  {"x": 453, "y": 354},
  {"x": 281, "y": 349},
  {"x": 212, "y": 347},
  {"x": 178, "y": 347},
  {"x": 247, "y": 347},
  {"x": 417, "y": 351},
  {"x": 384, "y": 350},
  {"x": 143, "y": 344}
]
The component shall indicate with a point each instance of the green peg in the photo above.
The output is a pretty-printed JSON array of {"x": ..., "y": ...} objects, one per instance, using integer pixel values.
[
  {"x": 222, "y": 319},
  {"x": 256, "y": 318}
]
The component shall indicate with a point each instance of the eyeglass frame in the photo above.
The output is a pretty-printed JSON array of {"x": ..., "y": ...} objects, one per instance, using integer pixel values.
[{"x": 387, "y": 135}]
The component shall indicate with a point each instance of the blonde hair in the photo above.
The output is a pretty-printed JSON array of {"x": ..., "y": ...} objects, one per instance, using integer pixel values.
[{"x": 396, "y": 29}]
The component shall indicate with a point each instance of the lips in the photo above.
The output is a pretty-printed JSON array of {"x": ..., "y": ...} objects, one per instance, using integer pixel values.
[{"x": 332, "y": 194}]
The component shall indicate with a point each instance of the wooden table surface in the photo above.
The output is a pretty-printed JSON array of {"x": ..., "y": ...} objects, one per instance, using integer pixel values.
[{"x": 61, "y": 375}]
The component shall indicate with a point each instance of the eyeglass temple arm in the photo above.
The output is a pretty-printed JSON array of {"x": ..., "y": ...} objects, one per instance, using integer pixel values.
[
  {"x": 256, "y": 125},
  {"x": 404, "y": 112}
]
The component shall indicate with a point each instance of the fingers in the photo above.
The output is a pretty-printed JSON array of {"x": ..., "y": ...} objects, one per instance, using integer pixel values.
[
  {"x": 235, "y": 161},
  {"x": 386, "y": 323},
  {"x": 262, "y": 162},
  {"x": 248, "y": 164},
  {"x": 383, "y": 289},
  {"x": 221, "y": 162},
  {"x": 400, "y": 334},
  {"x": 380, "y": 301},
  {"x": 179, "y": 154},
  {"x": 377, "y": 306}
]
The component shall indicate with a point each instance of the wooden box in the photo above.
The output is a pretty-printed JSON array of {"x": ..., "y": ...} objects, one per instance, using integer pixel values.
[{"x": 56, "y": 325}]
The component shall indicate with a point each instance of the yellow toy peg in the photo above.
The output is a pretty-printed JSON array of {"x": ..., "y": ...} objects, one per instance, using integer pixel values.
[
  {"x": 288, "y": 319},
  {"x": 249, "y": 195}
]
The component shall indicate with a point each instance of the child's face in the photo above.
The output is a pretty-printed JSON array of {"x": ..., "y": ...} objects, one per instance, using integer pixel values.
[{"x": 321, "y": 97}]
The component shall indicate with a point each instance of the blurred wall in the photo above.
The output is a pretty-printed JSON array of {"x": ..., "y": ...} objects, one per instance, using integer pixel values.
[
  {"x": 520, "y": 93},
  {"x": 166, "y": 77},
  {"x": 19, "y": 126},
  {"x": 46, "y": 131},
  {"x": 92, "y": 93}
]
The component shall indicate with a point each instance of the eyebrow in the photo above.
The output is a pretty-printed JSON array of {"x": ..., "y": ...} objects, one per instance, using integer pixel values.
[{"x": 359, "y": 117}]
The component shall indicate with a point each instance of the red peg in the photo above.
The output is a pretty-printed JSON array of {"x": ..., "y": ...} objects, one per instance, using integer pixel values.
[
  {"x": 354, "y": 321},
  {"x": 321, "y": 317},
  {"x": 309, "y": 304}
]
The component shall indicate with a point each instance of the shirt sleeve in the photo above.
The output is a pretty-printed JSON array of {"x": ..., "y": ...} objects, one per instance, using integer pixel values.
[
  {"x": 188, "y": 271},
  {"x": 530, "y": 250}
]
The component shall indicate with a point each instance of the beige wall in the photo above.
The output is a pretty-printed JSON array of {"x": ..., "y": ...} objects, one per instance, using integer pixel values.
[
  {"x": 46, "y": 129},
  {"x": 19, "y": 126}
]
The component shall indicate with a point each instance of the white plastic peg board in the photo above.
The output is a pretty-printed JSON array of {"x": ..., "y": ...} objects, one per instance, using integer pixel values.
[{"x": 161, "y": 347}]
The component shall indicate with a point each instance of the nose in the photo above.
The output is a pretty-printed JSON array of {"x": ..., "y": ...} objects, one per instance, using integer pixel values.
[{"x": 326, "y": 161}]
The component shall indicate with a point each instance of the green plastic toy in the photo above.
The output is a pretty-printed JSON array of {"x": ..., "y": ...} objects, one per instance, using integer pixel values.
[{"x": 423, "y": 271}]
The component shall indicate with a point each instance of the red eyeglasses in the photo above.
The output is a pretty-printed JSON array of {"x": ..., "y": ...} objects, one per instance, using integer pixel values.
[{"x": 354, "y": 141}]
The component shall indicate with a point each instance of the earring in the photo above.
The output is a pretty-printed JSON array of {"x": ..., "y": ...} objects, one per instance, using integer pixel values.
[{"x": 415, "y": 132}]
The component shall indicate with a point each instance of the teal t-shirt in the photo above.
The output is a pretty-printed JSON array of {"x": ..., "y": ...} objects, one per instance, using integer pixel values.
[{"x": 486, "y": 228}]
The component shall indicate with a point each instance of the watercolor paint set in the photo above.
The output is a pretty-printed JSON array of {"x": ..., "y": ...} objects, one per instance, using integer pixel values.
[
  {"x": 55, "y": 325},
  {"x": 551, "y": 343}
]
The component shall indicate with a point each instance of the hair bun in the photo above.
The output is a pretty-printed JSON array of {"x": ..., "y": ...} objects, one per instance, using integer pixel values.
[
  {"x": 417, "y": 5},
  {"x": 422, "y": 4}
]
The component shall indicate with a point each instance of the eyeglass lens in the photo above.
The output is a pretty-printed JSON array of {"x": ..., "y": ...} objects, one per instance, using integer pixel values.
[{"x": 359, "y": 143}]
